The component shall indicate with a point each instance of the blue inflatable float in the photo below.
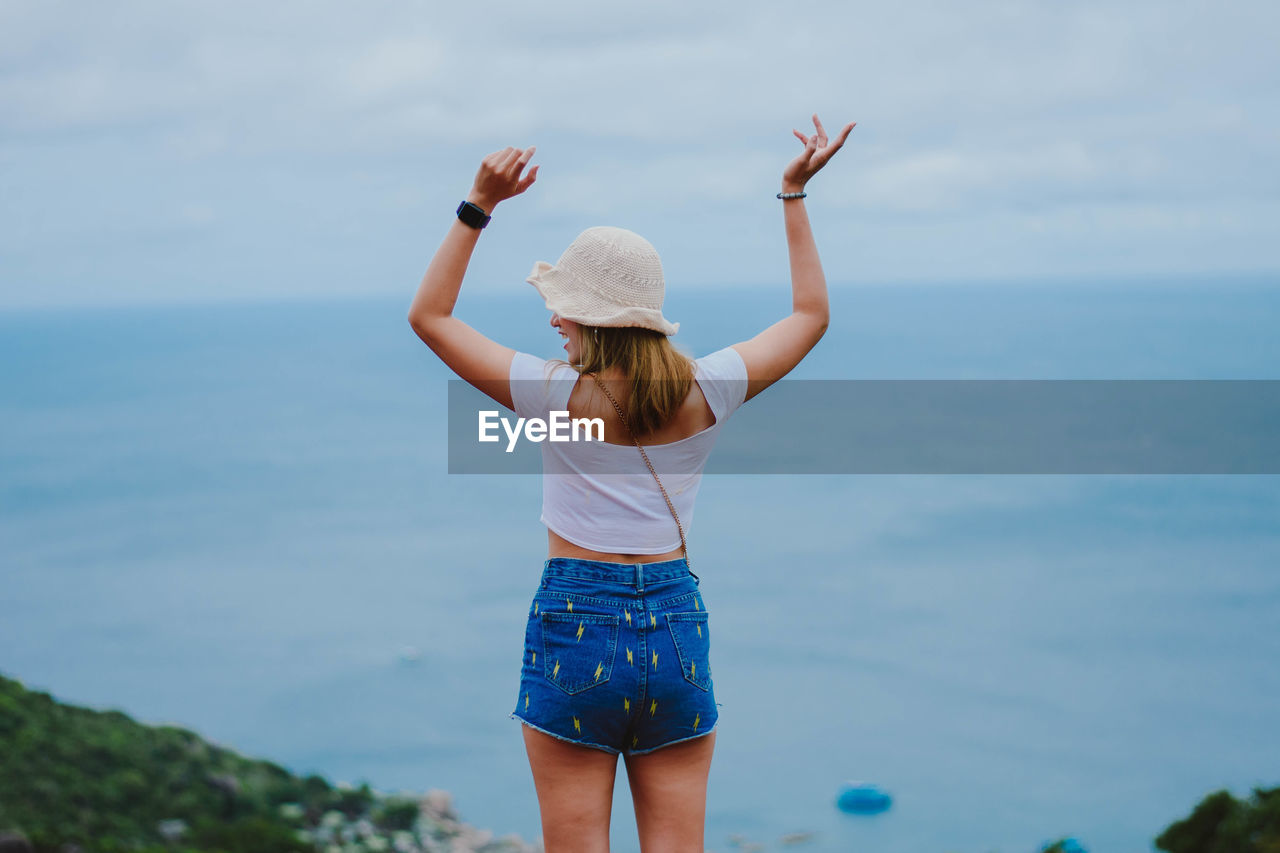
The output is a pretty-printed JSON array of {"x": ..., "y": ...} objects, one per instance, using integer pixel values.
[{"x": 863, "y": 798}]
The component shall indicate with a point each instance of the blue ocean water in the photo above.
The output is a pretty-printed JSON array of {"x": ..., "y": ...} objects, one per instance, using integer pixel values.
[{"x": 235, "y": 517}]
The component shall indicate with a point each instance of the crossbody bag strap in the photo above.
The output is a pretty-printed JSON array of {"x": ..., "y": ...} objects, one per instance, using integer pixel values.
[{"x": 680, "y": 527}]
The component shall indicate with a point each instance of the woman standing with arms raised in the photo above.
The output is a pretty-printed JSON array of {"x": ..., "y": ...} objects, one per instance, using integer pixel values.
[{"x": 617, "y": 642}]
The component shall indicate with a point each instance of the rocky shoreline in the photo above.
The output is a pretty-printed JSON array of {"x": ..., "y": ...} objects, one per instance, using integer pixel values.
[{"x": 437, "y": 829}]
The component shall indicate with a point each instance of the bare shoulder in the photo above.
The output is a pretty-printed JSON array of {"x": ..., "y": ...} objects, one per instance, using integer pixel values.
[{"x": 777, "y": 350}]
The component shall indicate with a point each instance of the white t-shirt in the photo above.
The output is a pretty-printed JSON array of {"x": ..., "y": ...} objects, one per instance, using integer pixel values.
[{"x": 601, "y": 496}]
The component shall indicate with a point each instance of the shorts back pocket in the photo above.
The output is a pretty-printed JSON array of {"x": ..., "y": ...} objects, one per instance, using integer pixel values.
[
  {"x": 578, "y": 649},
  {"x": 692, "y": 638}
]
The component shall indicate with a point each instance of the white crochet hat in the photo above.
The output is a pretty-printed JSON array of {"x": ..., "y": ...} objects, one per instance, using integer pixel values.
[{"x": 607, "y": 277}]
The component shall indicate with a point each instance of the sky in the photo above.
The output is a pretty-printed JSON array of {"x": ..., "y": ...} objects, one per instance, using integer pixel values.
[{"x": 200, "y": 151}]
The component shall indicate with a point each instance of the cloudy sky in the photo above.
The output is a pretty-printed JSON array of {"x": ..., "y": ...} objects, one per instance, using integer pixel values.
[{"x": 178, "y": 152}]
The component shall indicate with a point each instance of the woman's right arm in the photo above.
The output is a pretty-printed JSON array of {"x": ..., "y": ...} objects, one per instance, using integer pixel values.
[
  {"x": 773, "y": 353},
  {"x": 483, "y": 362}
]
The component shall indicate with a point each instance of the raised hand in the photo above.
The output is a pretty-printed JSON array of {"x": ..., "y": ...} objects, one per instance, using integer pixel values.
[
  {"x": 499, "y": 177},
  {"x": 816, "y": 153}
]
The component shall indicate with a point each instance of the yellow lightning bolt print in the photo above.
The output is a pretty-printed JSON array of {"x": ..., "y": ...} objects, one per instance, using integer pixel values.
[
  {"x": 693, "y": 669},
  {"x": 576, "y": 727},
  {"x": 535, "y": 659},
  {"x": 653, "y": 621},
  {"x": 626, "y": 704},
  {"x": 696, "y": 604},
  {"x": 629, "y": 659},
  {"x": 580, "y": 624},
  {"x": 526, "y": 701},
  {"x": 599, "y": 669},
  {"x": 627, "y": 613},
  {"x": 556, "y": 671},
  {"x": 699, "y": 630},
  {"x": 653, "y": 708},
  {"x": 696, "y": 717},
  {"x": 570, "y": 603},
  {"x": 635, "y": 739},
  {"x": 655, "y": 660},
  {"x": 535, "y": 608}
]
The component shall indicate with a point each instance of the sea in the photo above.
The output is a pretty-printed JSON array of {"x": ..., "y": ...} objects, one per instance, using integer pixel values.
[{"x": 237, "y": 517}]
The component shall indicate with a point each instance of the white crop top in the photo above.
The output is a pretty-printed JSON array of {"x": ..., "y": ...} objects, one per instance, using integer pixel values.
[{"x": 601, "y": 496}]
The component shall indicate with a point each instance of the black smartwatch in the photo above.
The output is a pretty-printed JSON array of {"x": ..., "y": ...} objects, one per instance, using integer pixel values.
[{"x": 472, "y": 215}]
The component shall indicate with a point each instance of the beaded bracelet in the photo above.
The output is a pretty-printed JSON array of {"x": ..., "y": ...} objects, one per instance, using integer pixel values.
[{"x": 792, "y": 195}]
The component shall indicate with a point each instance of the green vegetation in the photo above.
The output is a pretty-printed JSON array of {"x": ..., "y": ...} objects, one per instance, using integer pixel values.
[
  {"x": 1223, "y": 824},
  {"x": 104, "y": 782}
]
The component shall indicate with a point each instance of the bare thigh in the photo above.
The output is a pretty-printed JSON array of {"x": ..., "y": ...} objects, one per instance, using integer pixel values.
[
  {"x": 669, "y": 789},
  {"x": 575, "y": 792}
]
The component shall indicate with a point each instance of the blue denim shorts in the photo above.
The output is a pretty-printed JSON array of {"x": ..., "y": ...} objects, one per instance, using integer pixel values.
[{"x": 616, "y": 656}]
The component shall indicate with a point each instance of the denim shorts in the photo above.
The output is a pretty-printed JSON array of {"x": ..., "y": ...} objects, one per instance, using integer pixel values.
[{"x": 616, "y": 656}]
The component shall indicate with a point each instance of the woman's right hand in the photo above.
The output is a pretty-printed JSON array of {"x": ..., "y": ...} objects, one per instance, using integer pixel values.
[
  {"x": 499, "y": 177},
  {"x": 815, "y": 155}
]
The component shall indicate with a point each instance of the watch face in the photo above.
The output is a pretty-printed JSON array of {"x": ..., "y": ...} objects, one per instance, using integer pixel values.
[{"x": 472, "y": 215}]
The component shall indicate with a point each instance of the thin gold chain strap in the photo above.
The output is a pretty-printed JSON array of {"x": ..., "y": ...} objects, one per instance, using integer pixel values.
[{"x": 680, "y": 527}]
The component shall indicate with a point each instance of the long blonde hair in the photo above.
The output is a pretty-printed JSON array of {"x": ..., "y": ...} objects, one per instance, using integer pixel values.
[{"x": 658, "y": 375}]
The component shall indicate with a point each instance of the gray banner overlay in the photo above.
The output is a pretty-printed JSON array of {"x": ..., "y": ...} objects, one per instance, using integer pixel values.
[{"x": 1085, "y": 426}]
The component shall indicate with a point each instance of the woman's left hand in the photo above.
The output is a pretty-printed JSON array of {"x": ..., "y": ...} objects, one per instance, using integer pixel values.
[
  {"x": 499, "y": 177},
  {"x": 815, "y": 155}
]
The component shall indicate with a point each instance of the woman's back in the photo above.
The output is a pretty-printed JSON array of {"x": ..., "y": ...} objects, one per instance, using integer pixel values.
[
  {"x": 601, "y": 495},
  {"x": 586, "y": 401}
]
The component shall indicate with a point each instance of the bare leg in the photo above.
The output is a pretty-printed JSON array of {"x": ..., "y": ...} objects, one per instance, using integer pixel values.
[
  {"x": 575, "y": 792},
  {"x": 669, "y": 789}
]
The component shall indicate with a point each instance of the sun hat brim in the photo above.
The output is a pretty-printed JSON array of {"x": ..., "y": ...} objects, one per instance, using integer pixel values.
[{"x": 571, "y": 299}]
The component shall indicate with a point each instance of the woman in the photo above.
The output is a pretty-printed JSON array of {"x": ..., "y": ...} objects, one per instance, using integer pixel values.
[{"x": 617, "y": 639}]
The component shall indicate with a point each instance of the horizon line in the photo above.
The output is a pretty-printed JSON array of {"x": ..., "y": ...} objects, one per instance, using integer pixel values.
[{"x": 1147, "y": 279}]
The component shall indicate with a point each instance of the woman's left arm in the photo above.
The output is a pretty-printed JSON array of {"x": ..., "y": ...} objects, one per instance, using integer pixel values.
[{"x": 479, "y": 360}]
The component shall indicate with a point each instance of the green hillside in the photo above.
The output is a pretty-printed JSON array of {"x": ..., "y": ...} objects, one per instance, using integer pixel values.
[{"x": 104, "y": 782}]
